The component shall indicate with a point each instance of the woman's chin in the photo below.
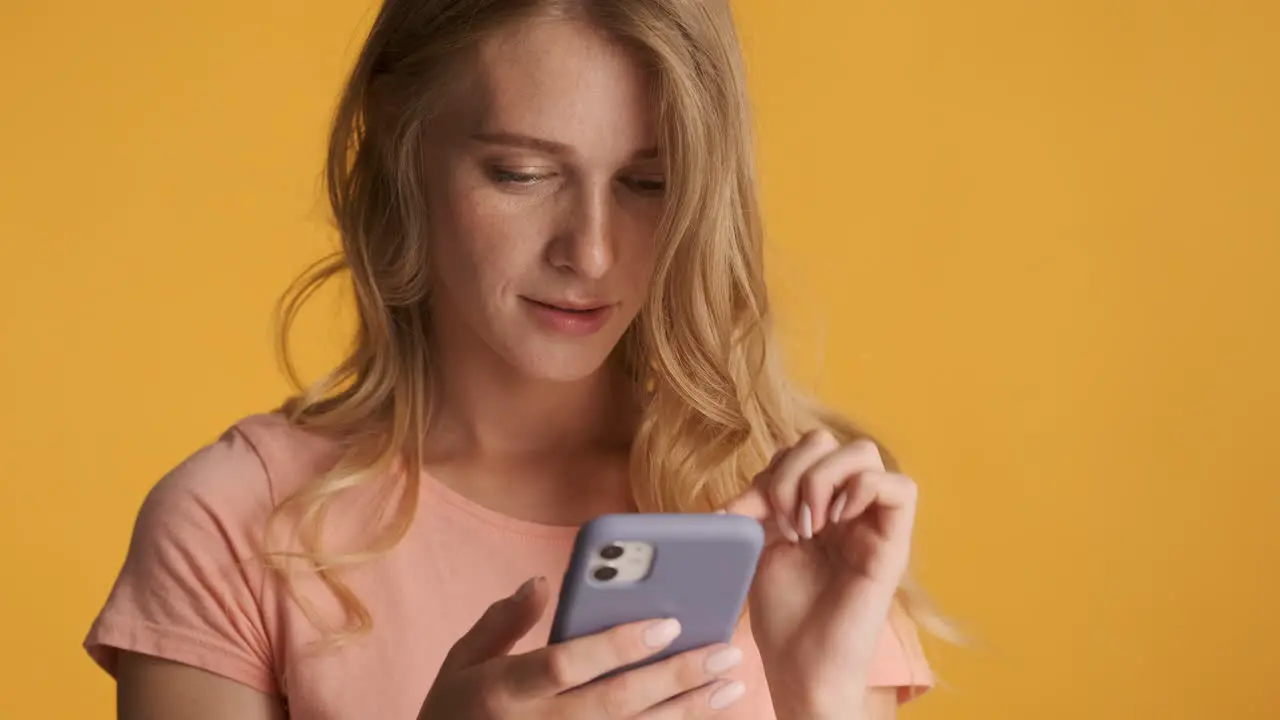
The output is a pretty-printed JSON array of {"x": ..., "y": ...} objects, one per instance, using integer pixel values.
[
  {"x": 559, "y": 364},
  {"x": 567, "y": 371}
]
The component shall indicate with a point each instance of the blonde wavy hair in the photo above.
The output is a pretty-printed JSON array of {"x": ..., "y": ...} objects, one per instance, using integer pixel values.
[{"x": 716, "y": 403}]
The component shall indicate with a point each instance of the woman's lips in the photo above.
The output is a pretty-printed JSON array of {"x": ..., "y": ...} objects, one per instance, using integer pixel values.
[{"x": 572, "y": 320}]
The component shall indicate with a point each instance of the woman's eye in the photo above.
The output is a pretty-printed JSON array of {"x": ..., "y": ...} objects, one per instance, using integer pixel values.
[
  {"x": 514, "y": 177},
  {"x": 647, "y": 185}
]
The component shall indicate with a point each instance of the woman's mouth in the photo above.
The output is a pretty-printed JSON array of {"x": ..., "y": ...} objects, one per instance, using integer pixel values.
[{"x": 575, "y": 319}]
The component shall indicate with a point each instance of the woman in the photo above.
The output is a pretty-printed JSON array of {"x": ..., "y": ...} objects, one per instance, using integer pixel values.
[{"x": 549, "y": 216}]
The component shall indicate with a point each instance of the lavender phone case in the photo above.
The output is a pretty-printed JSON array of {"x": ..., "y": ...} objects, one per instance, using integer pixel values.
[{"x": 701, "y": 570}]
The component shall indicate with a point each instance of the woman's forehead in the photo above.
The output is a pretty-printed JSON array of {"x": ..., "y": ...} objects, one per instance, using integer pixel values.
[{"x": 561, "y": 80}]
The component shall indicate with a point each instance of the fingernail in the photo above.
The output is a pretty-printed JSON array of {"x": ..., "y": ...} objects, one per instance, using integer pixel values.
[
  {"x": 722, "y": 511},
  {"x": 723, "y": 660},
  {"x": 727, "y": 694},
  {"x": 806, "y": 521},
  {"x": 661, "y": 633},
  {"x": 837, "y": 507},
  {"x": 788, "y": 532},
  {"x": 525, "y": 590}
]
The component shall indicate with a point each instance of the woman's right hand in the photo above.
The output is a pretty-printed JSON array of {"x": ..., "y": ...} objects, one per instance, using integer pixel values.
[{"x": 480, "y": 681}]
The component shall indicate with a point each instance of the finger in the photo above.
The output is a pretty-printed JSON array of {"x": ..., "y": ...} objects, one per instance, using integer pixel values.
[
  {"x": 628, "y": 694},
  {"x": 784, "y": 483},
  {"x": 890, "y": 497},
  {"x": 822, "y": 483},
  {"x": 499, "y": 628},
  {"x": 564, "y": 666},
  {"x": 704, "y": 702},
  {"x": 754, "y": 503}
]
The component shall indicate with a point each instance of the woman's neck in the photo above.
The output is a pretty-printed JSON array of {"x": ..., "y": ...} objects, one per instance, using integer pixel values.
[
  {"x": 554, "y": 453},
  {"x": 481, "y": 407}
]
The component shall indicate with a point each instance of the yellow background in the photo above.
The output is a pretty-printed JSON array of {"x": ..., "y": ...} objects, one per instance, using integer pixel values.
[{"x": 1033, "y": 243}]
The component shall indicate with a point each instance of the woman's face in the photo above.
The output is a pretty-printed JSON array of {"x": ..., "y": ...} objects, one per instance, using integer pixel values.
[{"x": 545, "y": 192}]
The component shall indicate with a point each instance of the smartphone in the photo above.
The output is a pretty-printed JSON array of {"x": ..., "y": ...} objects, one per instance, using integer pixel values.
[{"x": 694, "y": 567}]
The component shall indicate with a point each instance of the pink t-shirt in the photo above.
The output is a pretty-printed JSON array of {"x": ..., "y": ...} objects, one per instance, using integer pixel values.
[{"x": 191, "y": 589}]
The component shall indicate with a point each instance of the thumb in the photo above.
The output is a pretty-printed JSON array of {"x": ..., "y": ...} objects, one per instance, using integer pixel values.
[
  {"x": 501, "y": 626},
  {"x": 753, "y": 503}
]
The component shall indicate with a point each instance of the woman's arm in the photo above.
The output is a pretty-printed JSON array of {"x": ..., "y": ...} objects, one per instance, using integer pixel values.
[
  {"x": 882, "y": 704},
  {"x": 149, "y": 688}
]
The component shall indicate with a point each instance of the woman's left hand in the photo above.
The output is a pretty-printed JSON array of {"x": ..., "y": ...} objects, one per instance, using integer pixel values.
[{"x": 838, "y": 539}]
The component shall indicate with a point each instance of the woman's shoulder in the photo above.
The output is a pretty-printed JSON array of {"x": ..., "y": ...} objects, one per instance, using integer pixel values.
[
  {"x": 249, "y": 469},
  {"x": 192, "y": 585},
  {"x": 289, "y": 456}
]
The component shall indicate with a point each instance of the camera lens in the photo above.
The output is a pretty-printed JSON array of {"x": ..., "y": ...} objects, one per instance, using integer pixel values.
[
  {"x": 611, "y": 552},
  {"x": 605, "y": 574}
]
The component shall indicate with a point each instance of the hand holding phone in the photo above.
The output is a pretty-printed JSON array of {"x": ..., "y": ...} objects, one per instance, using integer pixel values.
[
  {"x": 696, "y": 568},
  {"x": 479, "y": 681}
]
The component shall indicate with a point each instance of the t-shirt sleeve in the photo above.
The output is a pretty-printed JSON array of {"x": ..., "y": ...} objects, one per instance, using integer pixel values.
[
  {"x": 899, "y": 661},
  {"x": 191, "y": 585}
]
